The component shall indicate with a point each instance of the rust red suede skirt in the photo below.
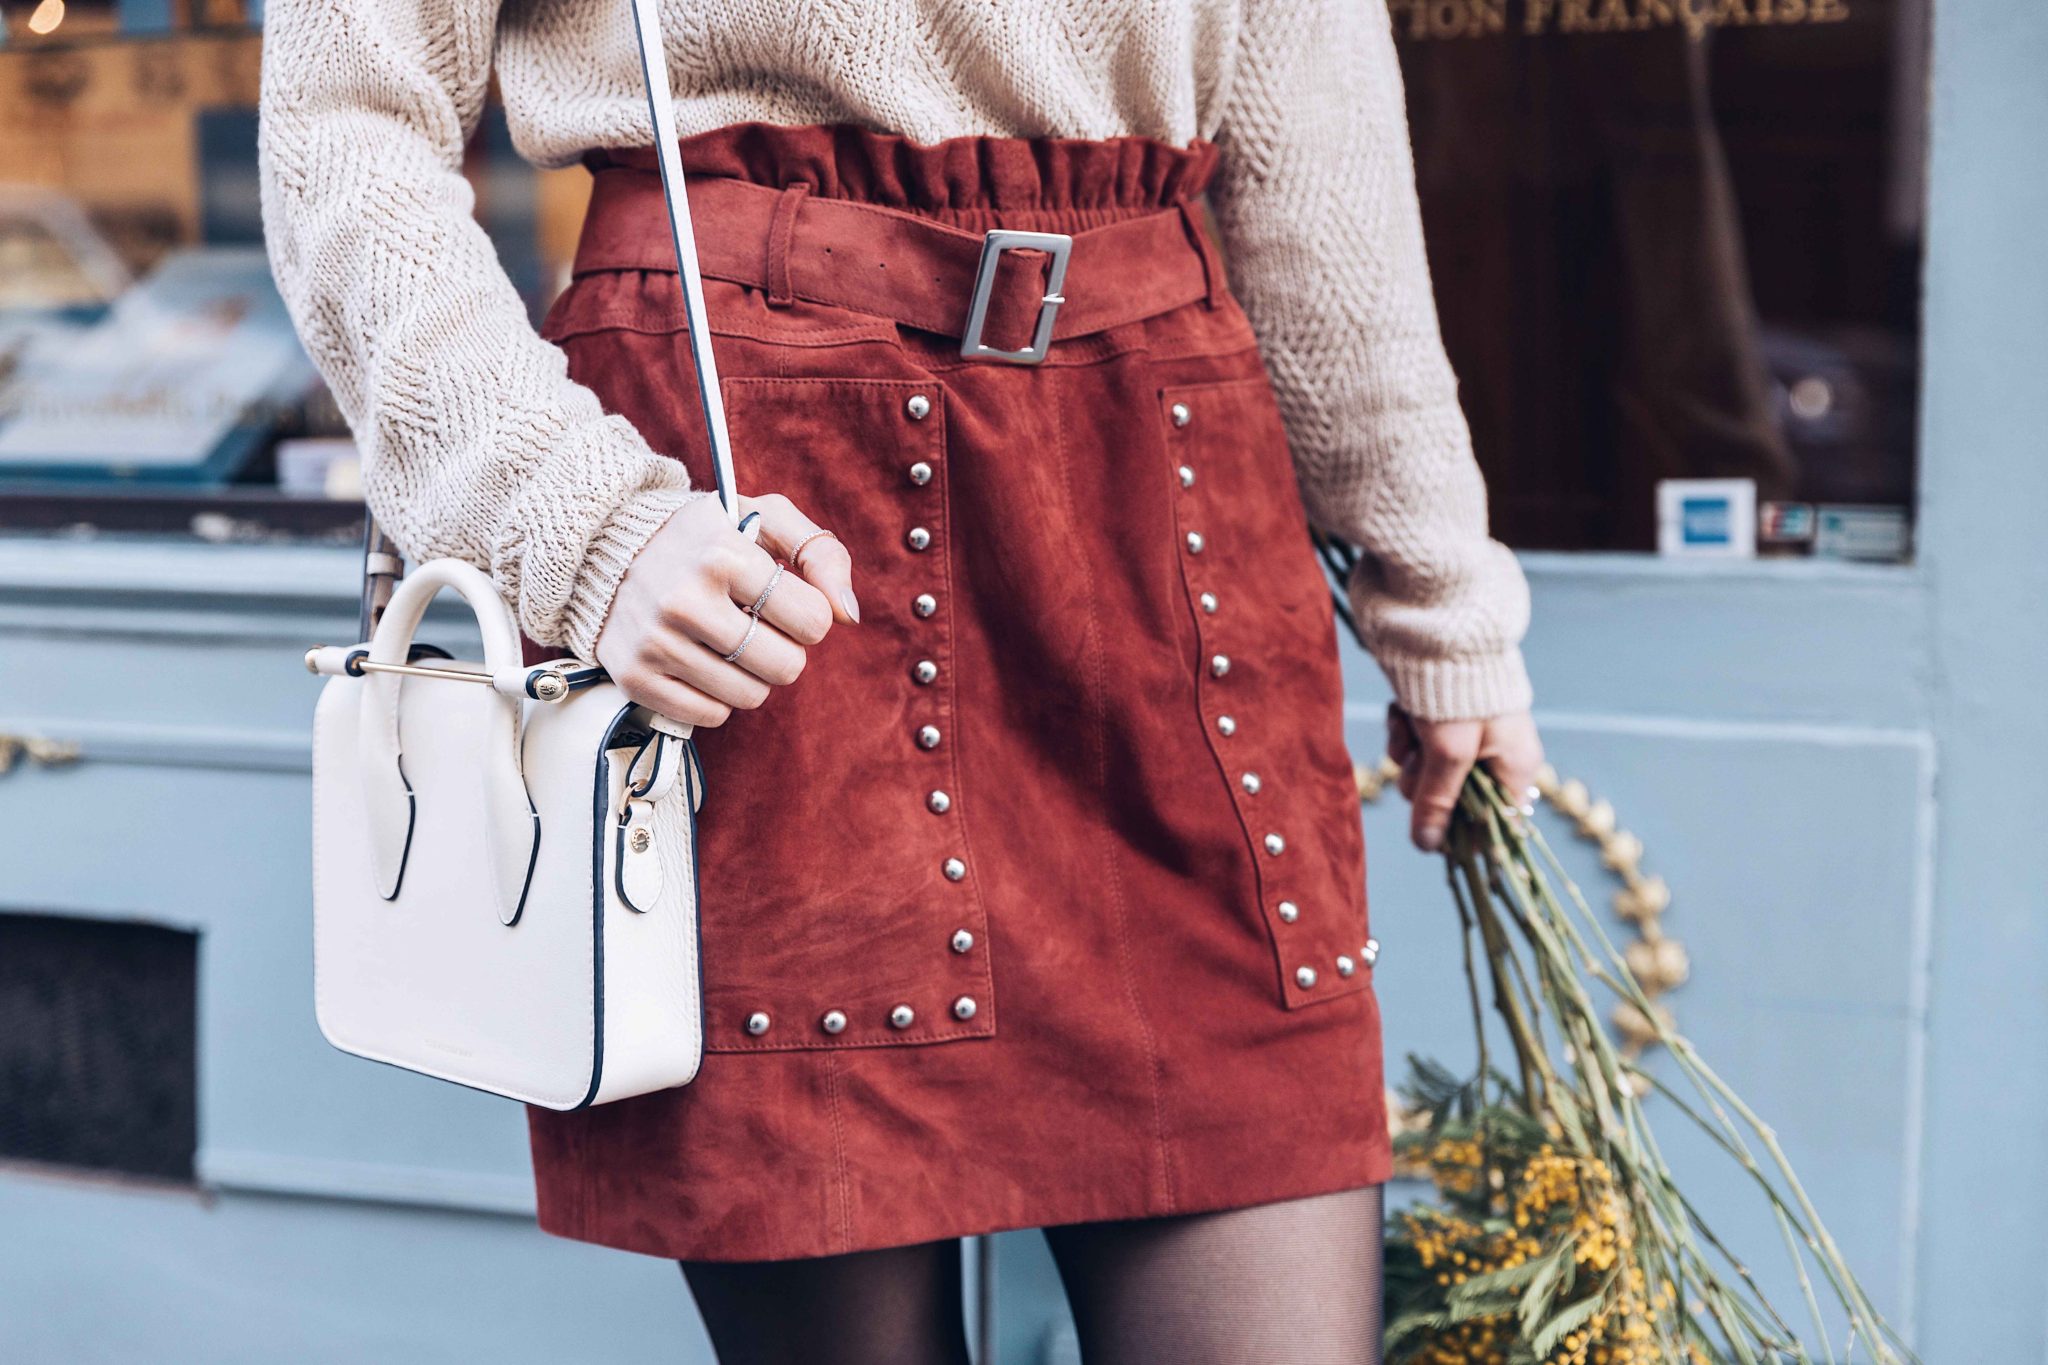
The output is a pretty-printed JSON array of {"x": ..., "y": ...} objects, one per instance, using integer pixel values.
[{"x": 1062, "y": 837}]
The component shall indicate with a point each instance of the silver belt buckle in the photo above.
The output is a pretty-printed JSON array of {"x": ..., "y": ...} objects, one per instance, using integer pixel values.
[{"x": 999, "y": 240}]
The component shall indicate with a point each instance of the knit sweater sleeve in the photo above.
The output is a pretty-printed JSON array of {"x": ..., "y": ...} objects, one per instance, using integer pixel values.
[
  {"x": 476, "y": 443},
  {"x": 1317, "y": 207}
]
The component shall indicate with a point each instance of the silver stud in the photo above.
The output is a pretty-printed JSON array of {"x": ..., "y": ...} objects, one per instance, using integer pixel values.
[
  {"x": 1250, "y": 783},
  {"x": 1370, "y": 952},
  {"x": 964, "y": 1007},
  {"x": 925, "y": 604},
  {"x": 938, "y": 803},
  {"x": 1304, "y": 977},
  {"x": 1209, "y": 603},
  {"x": 1226, "y": 726},
  {"x": 1195, "y": 542},
  {"x": 926, "y": 672},
  {"x": 1275, "y": 845},
  {"x": 962, "y": 940},
  {"x": 901, "y": 1016},
  {"x": 919, "y": 407},
  {"x": 927, "y": 736},
  {"x": 955, "y": 870},
  {"x": 757, "y": 1023},
  {"x": 1187, "y": 476},
  {"x": 1219, "y": 664},
  {"x": 1345, "y": 966},
  {"x": 919, "y": 538},
  {"x": 1289, "y": 912},
  {"x": 833, "y": 1022},
  {"x": 920, "y": 473},
  {"x": 1181, "y": 415}
]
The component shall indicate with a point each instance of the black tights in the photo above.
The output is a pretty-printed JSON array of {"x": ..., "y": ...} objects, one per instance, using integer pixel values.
[{"x": 1297, "y": 1281}]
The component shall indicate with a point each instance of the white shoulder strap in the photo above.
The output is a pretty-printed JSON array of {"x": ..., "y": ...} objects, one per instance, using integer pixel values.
[
  {"x": 662, "y": 110},
  {"x": 381, "y": 564}
]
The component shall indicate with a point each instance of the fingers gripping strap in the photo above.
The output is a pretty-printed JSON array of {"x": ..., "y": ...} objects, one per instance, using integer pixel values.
[{"x": 511, "y": 825}]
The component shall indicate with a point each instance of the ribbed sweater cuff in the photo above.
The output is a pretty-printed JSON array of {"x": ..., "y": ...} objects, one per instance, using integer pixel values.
[
  {"x": 611, "y": 551},
  {"x": 1474, "y": 687}
]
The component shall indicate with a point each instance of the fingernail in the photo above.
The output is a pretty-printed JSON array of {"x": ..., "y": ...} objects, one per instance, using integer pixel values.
[
  {"x": 1431, "y": 838},
  {"x": 850, "y": 603}
]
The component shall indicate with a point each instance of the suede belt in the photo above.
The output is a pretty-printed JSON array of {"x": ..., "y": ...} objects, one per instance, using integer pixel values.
[{"x": 898, "y": 265}]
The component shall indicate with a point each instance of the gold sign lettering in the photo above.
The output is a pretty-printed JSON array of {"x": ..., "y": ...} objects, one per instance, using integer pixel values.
[{"x": 1435, "y": 19}]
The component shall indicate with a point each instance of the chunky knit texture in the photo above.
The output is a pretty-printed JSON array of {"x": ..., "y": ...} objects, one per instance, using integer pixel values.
[{"x": 479, "y": 446}]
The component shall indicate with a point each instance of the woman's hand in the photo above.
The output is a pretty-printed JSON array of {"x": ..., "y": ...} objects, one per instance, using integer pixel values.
[
  {"x": 682, "y": 607},
  {"x": 1435, "y": 756}
]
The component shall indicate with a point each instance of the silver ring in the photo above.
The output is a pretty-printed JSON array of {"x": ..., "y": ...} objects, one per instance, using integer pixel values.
[
  {"x": 753, "y": 625},
  {"x": 762, "y": 601},
  {"x": 796, "y": 555}
]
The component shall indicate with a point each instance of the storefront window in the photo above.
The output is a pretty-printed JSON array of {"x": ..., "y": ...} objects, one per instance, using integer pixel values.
[
  {"x": 1677, "y": 240},
  {"x": 150, "y": 379},
  {"x": 1672, "y": 240}
]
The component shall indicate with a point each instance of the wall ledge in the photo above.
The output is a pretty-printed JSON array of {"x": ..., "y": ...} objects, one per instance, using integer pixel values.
[
  {"x": 183, "y": 573},
  {"x": 1560, "y": 565},
  {"x": 185, "y": 569}
]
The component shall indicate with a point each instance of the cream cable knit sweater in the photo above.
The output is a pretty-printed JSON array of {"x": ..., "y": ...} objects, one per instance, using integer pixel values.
[{"x": 478, "y": 445}]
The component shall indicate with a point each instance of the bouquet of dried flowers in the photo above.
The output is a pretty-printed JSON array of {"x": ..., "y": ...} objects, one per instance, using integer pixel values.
[{"x": 1559, "y": 1235}]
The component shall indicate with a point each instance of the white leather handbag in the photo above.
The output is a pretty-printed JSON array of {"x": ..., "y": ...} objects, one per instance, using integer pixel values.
[{"x": 505, "y": 856}]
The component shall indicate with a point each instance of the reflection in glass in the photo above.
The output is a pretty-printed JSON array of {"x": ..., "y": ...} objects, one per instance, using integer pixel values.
[
  {"x": 148, "y": 377},
  {"x": 1673, "y": 241}
]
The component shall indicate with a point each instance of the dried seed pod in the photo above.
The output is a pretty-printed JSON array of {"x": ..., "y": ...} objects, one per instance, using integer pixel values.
[
  {"x": 1573, "y": 799},
  {"x": 1598, "y": 821},
  {"x": 1660, "y": 965},
  {"x": 1674, "y": 964},
  {"x": 1621, "y": 852},
  {"x": 1635, "y": 1026}
]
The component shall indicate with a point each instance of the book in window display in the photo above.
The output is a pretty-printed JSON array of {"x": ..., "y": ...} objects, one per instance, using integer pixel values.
[{"x": 181, "y": 380}]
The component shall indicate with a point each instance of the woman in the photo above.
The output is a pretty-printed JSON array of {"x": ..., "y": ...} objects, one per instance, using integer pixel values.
[{"x": 1034, "y": 891}]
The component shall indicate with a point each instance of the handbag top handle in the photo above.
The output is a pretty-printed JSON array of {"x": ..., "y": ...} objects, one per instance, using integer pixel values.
[{"x": 382, "y": 563}]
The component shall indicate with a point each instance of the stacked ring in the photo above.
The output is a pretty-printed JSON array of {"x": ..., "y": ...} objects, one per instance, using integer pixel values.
[
  {"x": 762, "y": 600},
  {"x": 745, "y": 640},
  {"x": 754, "y": 615},
  {"x": 796, "y": 553}
]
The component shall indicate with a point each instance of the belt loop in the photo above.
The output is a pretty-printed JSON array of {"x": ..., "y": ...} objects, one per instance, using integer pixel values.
[
  {"x": 1212, "y": 269},
  {"x": 780, "y": 229}
]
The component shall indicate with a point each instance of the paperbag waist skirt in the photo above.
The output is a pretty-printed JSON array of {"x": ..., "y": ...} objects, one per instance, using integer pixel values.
[{"x": 1040, "y": 897}]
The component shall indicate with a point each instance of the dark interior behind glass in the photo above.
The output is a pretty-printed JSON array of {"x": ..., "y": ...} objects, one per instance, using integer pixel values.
[
  {"x": 1671, "y": 250},
  {"x": 1669, "y": 238}
]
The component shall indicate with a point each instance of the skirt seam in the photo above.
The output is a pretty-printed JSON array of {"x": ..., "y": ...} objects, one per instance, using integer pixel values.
[
  {"x": 839, "y": 1180},
  {"x": 1118, "y": 899},
  {"x": 1104, "y": 348}
]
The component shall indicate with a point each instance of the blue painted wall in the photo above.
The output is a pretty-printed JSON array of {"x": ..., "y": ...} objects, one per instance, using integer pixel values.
[{"x": 1840, "y": 770}]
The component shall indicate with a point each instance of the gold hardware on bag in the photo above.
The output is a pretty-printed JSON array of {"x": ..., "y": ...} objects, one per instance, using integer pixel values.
[{"x": 542, "y": 684}]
